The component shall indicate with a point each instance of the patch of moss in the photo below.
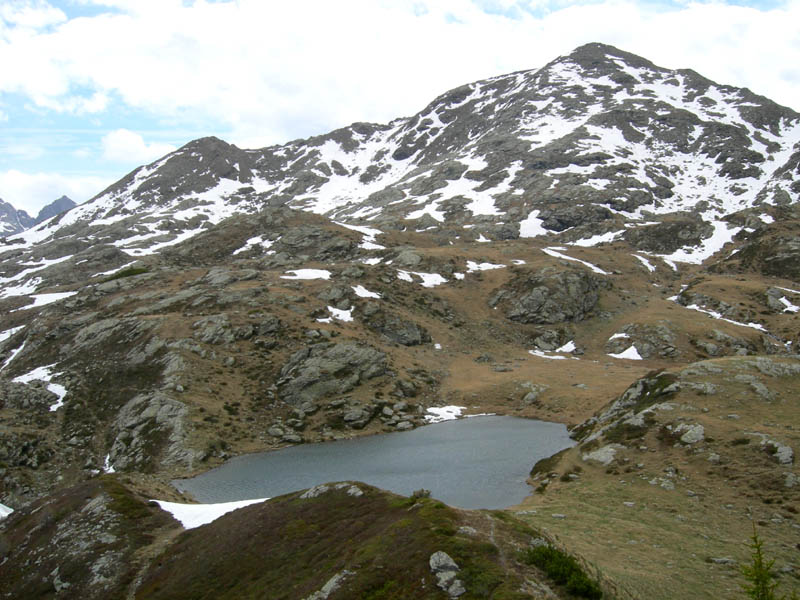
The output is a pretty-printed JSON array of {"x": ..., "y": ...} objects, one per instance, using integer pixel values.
[
  {"x": 122, "y": 501},
  {"x": 623, "y": 432},
  {"x": 656, "y": 384},
  {"x": 129, "y": 272}
]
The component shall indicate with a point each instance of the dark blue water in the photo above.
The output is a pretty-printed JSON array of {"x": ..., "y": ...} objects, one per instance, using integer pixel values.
[{"x": 481, "y": 462}]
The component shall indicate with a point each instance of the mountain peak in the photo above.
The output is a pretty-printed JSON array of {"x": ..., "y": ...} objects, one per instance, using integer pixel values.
[{"x": 597, "y": 57}]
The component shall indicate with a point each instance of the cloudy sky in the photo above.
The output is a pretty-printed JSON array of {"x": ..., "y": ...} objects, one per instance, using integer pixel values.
[{"x": 90, "y": 89}]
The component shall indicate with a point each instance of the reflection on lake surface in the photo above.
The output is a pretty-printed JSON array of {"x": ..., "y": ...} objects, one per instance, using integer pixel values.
[{"x": 481, "y": 462}]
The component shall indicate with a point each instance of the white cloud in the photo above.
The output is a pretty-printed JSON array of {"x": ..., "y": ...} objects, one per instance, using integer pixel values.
[
  {"x": 35, "y": 15},
  {"x": 32, "y": 191},
  {"x": 271, "y": 71},
  {"x": 127, "y": 146}
]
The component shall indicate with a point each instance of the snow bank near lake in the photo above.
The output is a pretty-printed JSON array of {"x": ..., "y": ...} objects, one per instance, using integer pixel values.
[
  {"x": 437, "y": 414},
  {"x": 195, "y": 515}
]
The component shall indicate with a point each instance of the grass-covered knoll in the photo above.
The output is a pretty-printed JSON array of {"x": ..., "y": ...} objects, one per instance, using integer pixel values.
[{"x": 290, "y": 547}]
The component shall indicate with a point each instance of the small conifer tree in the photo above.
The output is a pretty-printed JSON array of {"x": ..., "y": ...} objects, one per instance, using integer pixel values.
[
  {"x": 761, "y": 579},
  {"x": 761, "y": 584}
]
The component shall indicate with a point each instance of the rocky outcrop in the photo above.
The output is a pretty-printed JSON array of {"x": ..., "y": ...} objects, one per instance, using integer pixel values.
[
  {"x": 650, "y": 340},
  {"x": 316, "y": 243},
  {"x": 719, "y": 343},
  {"x": 775, "y": 255},
  {"x": 217, "y": 329},
  {"x": 667, "y": 237},
  {"x": 97, "y": 336},
  {"x": 23, "y": 450},
  {"x": 150, "y": 431},
  {"x": 33, "y": 396},
  {"x": 327, "y": 369},
  {"x": 566, "y": 217},
  {"x": 549, "y": 296}
]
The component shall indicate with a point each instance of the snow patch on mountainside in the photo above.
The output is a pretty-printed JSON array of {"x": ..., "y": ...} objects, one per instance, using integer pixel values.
[
  {"x": 45, "y": 374},
  {"x": 723, "y": 234}
]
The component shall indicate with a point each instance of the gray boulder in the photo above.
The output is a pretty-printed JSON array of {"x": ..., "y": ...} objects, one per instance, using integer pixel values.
[{"x": 445, "y": 570}]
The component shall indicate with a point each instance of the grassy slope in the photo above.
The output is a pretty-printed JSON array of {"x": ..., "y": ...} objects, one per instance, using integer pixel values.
[{"x": 661, "y": 543}]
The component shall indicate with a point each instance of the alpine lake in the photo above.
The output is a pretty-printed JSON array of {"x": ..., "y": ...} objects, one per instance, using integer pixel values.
[{"x": 472, "y": 463}]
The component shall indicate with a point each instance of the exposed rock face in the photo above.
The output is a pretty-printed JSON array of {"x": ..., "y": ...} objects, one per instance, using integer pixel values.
[
  {"x": 333, "y": 584},
  {"x": 327, "y": 369},
  {"x": 690, "y": 433},
  {"x": 24, "y": 450},
  {"x": 549, "y": 296},
  {"x": 719, "y": 343},
  {"x": 150, "y": 429},
  {"x": 604, "y": 455},
  {"x": 92, "y": 336}
]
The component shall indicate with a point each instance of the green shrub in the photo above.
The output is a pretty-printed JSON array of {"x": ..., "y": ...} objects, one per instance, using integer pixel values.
[{"x": 563, "y": 570}]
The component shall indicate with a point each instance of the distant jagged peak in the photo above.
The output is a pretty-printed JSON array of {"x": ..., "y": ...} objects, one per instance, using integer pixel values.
[
  {"x": 60, "y": 205},
  {"x": 12, "y": 220}
]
